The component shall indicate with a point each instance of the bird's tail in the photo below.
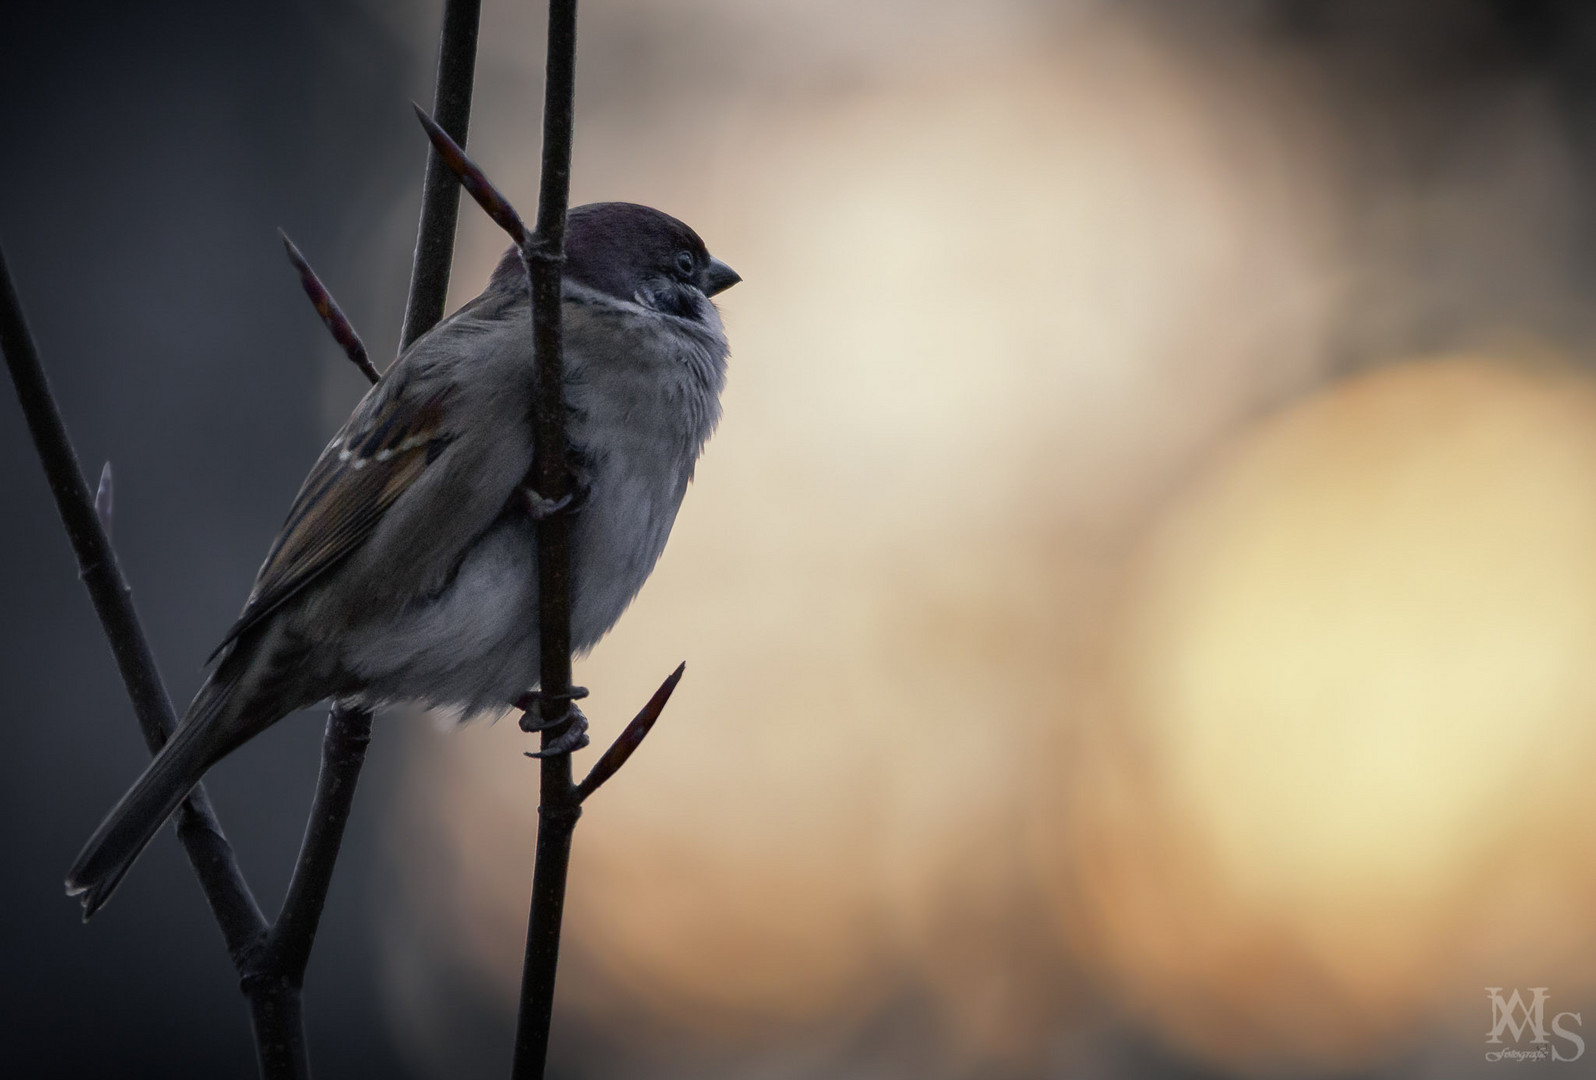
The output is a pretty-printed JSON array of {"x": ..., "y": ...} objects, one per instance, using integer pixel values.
[{"x": 200, "y": 741}]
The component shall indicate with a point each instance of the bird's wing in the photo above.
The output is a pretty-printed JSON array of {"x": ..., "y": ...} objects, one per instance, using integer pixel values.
[{"x": 379, "y": 454}]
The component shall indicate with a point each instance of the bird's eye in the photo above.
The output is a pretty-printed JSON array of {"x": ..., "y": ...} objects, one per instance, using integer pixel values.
[{"x": 685, "y": 262}]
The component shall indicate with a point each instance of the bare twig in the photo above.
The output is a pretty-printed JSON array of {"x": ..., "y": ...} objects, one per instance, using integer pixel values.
[
  {"x": 231, "y": 902},
  {"x": 559, "y": 806},
  {"x": 440, "y": 199},
  {"x": 287, "y": 948},
  {"x": 543, "y": 253},
  {"x": 276, "y": 973},
  {"x": 270, "y": 961}
]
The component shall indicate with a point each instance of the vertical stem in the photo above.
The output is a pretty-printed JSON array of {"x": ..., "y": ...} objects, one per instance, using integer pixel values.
[
  {"x": 559, "y": 806},
  {"x": 440, "y": 194},
  {"x": 343, "y": 751},
  {"x": 275, "y": 975},
  {"x": 277, "y": 1015},
  {"x": 556, "y": 826}
]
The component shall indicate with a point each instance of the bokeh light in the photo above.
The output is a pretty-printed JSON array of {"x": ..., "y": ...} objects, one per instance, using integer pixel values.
[{"x": 1343, "y": 785}]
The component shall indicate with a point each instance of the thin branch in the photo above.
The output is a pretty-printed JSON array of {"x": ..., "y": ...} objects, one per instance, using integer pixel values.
[
  {"x": 279, "y": 965},
  {"x": 559, "y": 807},
  {"x": 277, "y": 973},
  {"x": 279, "y": 969},
  {"x": 287, "y": 949},
  {"x": 440, "y": 199},
  {"x": 271, "y": 964},
  {"x": 231, "y": 902},
  {"x": 543, "y": 253}
]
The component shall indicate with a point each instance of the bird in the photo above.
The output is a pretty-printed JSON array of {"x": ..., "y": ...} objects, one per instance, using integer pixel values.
[{"x": 406, "y": 570}]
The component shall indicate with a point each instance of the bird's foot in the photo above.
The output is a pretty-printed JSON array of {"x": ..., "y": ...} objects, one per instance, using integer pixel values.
[
  {"x": 535, "y": 717},
  {"x": 539, "y": 508}
]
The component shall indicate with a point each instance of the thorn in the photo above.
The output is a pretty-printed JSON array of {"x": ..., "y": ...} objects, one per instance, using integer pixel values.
[
  {"x": 629, "y": 740},
  {"x": 332, "y": 316},
  {"x": 475, "y": 181},
  {"x": 104, "y": 500}
]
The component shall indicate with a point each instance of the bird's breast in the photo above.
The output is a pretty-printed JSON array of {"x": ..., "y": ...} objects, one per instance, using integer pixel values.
[{"x": 618, "y": 536}]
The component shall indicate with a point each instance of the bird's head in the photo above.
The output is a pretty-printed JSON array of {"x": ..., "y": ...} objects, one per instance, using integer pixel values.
[{"x": 639, "y": 254}]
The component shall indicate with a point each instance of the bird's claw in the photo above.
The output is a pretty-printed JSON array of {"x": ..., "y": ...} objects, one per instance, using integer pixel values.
[
  {"x": 572, "y": 739},
  {"x": 568, "y": 741},
  {"x": 540, "y": 508},
  {"x": 531, "y": 703},
  {"x": 533, "y": 719}
]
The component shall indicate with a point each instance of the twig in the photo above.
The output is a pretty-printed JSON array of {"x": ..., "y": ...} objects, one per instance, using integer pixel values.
[
  {"x": 559, "y": 806},
  {"x": 440, "y": 199},
  {"x": 287, "y": 948},
  {"x": 231, "y": 902},
  {"x": 543, "y": 253},
  {"x": 276, "y": 973},
  {"x": 270, "y": 961}
]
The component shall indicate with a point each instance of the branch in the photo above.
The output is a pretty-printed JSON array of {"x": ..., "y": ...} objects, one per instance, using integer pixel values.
[
  {"x": 231, "y": 902},
  {"x": 278, "y": 969},
  {"x": 271, "y": 964},
  {"x": 343, "y": 751},
  {"x": 559, "y": 808},
  {"x": 543, "y": 253},
  {"x": 276, "y": 974},
  {"x": 440, "y": 200}
]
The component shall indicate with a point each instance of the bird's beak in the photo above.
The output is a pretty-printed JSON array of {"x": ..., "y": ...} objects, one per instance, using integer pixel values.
[{"x": 717, "y": 277}]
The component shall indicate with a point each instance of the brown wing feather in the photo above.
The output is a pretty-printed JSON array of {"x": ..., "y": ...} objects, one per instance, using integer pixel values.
[{"x": 359, "y": 476}]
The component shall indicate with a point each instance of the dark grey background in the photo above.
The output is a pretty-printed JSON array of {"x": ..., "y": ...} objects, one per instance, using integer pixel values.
[{"x": 150, "y": 150}]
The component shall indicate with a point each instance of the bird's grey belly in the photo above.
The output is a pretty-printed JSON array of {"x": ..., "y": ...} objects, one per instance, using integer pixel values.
[
  {"x": 616, "y": 540},
  {"x": 474, "y": 645},
  {"x": 471, "y": 647}
]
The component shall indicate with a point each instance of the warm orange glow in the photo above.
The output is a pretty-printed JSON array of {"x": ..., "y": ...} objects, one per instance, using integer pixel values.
[{"x": 1354, "y": 697}]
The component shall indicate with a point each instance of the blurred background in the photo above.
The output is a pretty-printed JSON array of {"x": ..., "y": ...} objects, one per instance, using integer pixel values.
[{"x": 1140, "y": 606}]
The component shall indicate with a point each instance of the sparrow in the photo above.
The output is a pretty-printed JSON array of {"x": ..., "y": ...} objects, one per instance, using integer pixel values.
[{"x": 406, "y": 569}]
